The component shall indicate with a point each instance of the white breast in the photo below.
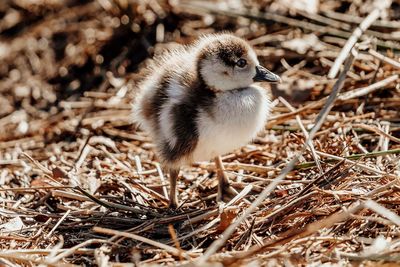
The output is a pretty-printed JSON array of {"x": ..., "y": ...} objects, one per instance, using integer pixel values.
[{"x": 236, "y": 119}]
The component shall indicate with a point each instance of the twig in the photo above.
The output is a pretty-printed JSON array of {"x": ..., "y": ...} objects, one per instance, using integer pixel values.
[
  {"x": 39, "y": 165},
  {"x": 376, "y": 130},
  {"x": 28, "y": 189},
  {"x": 174, "y": 238},
  {"x": 351, "y": 157},
  {"x": 163, "y": 181},
  {"x": 303, "y": 232},
  {"x": 70, "y": 251},
  {"x": 115, "y": 205},
  {"x": 365, "y": 24},
  {"x": 235, "y": 166},
  {"x": 172, "y": 250},
  {"x": 57, "y": 224},
  {"x": 342, "y": 97},
  {"x": 379, "y": 56},
  {"x": 388, "y": 214},
  {"x": 305, "y": 132},
  {"x": 368, "y": 89}
]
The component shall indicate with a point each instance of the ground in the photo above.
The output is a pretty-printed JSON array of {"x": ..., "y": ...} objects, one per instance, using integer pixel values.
[{"x": 81, "y": 185}]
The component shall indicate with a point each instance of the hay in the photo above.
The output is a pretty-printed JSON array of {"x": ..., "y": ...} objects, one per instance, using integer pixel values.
[{"x": 80, "y": 185}]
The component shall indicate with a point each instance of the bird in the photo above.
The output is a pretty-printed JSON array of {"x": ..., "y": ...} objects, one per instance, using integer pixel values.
[{"x": 200, "y": 101}]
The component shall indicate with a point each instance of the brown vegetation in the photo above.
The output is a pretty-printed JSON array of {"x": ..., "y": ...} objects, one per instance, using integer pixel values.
[{"x": 79, "y": 184}]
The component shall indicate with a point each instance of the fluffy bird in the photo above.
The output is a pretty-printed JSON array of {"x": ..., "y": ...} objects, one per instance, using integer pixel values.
[{"x": 201, "y": 101}]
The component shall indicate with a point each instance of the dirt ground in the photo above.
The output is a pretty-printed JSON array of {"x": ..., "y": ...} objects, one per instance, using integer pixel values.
[{"x": 80, "y": 185}]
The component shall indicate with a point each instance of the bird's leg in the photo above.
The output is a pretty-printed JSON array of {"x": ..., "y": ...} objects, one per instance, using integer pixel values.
[
  {"x": 225, "y": 191},
  {"x": 173, "y": 198}
]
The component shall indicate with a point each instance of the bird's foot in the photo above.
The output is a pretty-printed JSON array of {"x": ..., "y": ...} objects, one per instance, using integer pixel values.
[
  {"x": 226, "y": 193},
  {"x": 173, "y": 203}
]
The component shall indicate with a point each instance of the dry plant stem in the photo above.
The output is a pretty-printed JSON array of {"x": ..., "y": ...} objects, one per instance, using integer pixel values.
[
  {"x": 222, "y": 207},
  {"x": 351, "y": 157},
  {"x": 365, "y": 24},
  {"x": 303, "y": 232},
  {"x": 305, "y": 132},
  {"x": 383, "y": 188},
  {"x": 216, "y": 245},
  {"x": 72, "y": 250},
  {"x": 174, "y": 238},
  {"x": 345, "y": 96},
  {"x": 162, "y": 178},
  {"x": 368, "y": 89},
  {"x": 388, "y": 60},
  {"x": 167, "y": 248},
  {"x": 357, "y": 20},
  {"x": 388, "y": 214},
  {"x": 57, "y": 224},
  {"x": 28, "y": 189},
  {"x": 235, "y": 166},
  {"x": 115, "y": 205},
  {"x": 37, "y": 163},
  {"x": 363, "y": 166},
  {"x": 377, "y": 131}
]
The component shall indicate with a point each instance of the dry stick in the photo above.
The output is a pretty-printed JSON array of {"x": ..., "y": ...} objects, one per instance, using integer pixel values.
[
  {"x": 362, "y": 166},
  {"x": 303, "y": 129},
  {"x": 368, "y": 89},
  {"x": 20, "y": 258},
  {"x": 43, "y": 169},
  {"x": 174, "y": 238},
  {"x": 235, "y": 166},
  {"x": 27, "y": 189},
  {"x": 69, "y": 195},
  {"x": 163, "y": 181},
  {"x": 377, "y": 131},
  {"x": 352, "y": 18},
  {"x": 165, "y": 247},
  {"x": 71, "y": 251},
  {"x": 354, "y": 156},
  {"x": 57, "y": 224},
  {"x": 38, "y": 164},
  {"x": 365, "y": 24},
  {"x": 388, "y": 60},
  {"x": 345, "y": 96},
  {"x": 116, "y": 206},
  {"x": 382, "y": 188},
  {"x": 345, "y": 26},
  {"x": 305, "y": 231},
  {"x": 217, "y": 244},
  {"x": 83, "y": 153},
  {"x": 388, "y": 214}
]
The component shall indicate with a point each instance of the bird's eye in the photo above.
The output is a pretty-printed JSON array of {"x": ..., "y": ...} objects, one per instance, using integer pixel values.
[{"x": 241, "y": 63}]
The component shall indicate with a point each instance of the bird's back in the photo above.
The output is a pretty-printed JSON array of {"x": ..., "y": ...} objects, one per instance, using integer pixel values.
[{"x": 165, "y": 105}]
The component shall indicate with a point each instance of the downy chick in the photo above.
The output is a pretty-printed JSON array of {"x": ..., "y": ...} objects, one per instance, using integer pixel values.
[{"x": 200, "y": 101}]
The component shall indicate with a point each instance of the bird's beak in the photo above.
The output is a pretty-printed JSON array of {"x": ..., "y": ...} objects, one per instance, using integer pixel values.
[{"x": 264, "y": 75}]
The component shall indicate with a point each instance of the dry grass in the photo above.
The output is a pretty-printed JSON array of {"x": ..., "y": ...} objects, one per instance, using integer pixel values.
[{"x": 79, "y": 185}]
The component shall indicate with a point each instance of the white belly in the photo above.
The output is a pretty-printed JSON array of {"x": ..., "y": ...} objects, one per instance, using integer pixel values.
[{"x": 236, "y": 119}]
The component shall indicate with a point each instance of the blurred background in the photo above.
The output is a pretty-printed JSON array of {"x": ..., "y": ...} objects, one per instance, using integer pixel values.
[{"x": 61, "y": 50}]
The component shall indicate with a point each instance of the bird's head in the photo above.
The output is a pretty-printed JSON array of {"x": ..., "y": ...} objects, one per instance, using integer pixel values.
[{"x": 226, "y": 62}]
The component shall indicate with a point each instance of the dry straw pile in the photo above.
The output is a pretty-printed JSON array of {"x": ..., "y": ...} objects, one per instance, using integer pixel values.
[{"x": 79, "y": 185}]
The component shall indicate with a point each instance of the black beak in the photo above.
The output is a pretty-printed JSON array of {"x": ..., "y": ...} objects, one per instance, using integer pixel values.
[{"x": 264, "y": 75}]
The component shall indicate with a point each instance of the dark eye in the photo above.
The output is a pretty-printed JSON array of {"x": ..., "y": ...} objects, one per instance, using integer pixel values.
[{"x": 241, "y": 63}]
